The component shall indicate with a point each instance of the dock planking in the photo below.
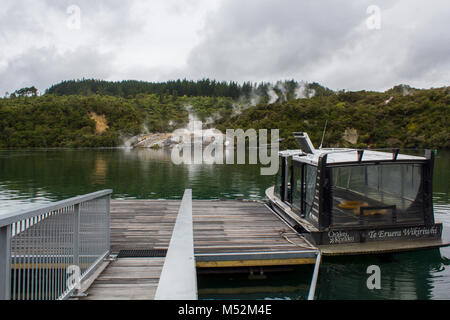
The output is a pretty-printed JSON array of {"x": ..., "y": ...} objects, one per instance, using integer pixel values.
[
  {"x": 127, "y": 279},
  {"x": 244, "y": 233},
  {"x": 135, "y": 225},
  {"x": 142, "y": 224},
  {"x": 228, "y": 233},
  {"x": 228, "y": 226}
]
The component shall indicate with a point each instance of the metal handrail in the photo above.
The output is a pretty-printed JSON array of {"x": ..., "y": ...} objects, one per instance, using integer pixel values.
[
  {"x": 9, "y": 218},
  {"x": 46, "y": 252},
  {"x": 178, "y": 280}
]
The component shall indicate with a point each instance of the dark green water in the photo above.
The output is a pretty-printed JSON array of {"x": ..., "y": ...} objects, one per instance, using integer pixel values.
[{"x": 31, "y": 177}]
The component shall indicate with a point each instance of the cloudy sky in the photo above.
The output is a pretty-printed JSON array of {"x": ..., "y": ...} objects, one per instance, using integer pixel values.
[{"x": 343, "y": 44}]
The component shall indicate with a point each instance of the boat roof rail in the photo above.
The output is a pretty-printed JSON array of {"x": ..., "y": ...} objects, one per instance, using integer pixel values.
[
  {"x": 290, "y": 153},
  {"x": 348, "y": 156}
]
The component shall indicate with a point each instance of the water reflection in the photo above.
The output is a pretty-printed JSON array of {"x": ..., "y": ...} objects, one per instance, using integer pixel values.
[
  {"x": 292, "y": 283},
  {"x": 403, "y": 276},
  {"x": 100, "y": 170},
  {"x": 419, "y": 275},
  {"x": 48, "y": 175}
]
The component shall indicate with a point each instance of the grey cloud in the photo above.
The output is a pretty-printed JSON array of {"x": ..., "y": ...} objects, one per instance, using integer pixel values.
[
  {"x": 110, "y": 19},
  {"x": 431, "y": 49},
  {"x": 32, "y": 33},
  {"x": 323, "y": 41},
  {"x": 251, "y": 40},
  {"x": 46, "y": 66},
  {"x": 255, "y": 39}
]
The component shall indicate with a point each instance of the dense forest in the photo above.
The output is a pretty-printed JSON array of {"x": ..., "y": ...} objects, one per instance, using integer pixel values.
[
  {"x": 65, "y": 116},
  {"x": 201, "y": 88}
]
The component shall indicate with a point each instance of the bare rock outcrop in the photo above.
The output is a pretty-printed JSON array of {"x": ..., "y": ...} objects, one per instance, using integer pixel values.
[{"x": 350, "y": 135}]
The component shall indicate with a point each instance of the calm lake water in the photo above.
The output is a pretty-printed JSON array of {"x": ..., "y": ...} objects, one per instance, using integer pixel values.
[{"x": 28, "y": 178}]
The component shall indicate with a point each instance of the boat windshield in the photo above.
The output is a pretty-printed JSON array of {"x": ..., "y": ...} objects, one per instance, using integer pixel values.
[{"x": 377, "y": 194}]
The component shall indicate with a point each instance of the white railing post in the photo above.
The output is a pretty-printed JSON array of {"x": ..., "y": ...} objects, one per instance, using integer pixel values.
[
  {"x": 108, "y": 223},
  {"x": 5, "y": 262},
  {"x": 76, "y": 235},
  {"x": 312, "y": 289}
]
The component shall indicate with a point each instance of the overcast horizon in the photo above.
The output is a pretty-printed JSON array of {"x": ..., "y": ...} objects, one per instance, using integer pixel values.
[{"x": 351, "y": 45}]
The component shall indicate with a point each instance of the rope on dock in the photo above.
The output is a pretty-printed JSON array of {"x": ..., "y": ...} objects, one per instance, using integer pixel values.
[{"x": 283, "y": 235}]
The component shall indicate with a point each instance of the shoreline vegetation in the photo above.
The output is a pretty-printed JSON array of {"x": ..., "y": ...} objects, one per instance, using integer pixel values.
[{"x": 95, "y": 113}]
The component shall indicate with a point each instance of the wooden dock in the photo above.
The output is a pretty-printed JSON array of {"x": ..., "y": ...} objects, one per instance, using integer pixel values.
[
  {"x": 229, "y": 233},
  {"x": 245, "y": 234}
]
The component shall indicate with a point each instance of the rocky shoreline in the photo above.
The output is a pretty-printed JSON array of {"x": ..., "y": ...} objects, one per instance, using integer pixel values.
[
  {"x": 154, "y": 141},
  {"x": 159, "y": 141}
]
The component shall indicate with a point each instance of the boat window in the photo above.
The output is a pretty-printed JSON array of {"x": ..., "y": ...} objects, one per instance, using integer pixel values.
[
  {"x": 297, "y": 187},
  {"x": 377, "y": 194},
  {"x": 310, "y": 190},
  {"x": 279, "y": 179},
  {"x": 289, "y": 180},
  {"x": 304, "y": 190}
]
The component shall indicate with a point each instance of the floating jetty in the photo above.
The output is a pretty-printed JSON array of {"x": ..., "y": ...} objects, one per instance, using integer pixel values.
[{"x": 140, "y": 249}]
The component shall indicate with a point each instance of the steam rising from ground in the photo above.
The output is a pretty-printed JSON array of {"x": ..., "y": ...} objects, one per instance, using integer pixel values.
[
  {"x": 303, "y": 92},
  {"x": 406, "y": 90},
  {"x": 268, "y": 93},
  {"x": 281, "y": 91}
]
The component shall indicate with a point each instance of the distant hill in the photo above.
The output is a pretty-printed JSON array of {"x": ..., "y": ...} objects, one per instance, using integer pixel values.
[
  {"x": 401, "y": 117},
  {"x": 95, "y": 113}
]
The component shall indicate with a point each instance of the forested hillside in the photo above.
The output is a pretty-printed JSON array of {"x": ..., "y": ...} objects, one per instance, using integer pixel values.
[
  {"x": 418, "y": 119},
  {"x": 65, "y": 116},
  {"x": 201, "y": 88}
]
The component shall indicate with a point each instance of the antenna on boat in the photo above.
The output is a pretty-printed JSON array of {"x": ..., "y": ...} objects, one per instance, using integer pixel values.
[{"x": 323, "y": 135}]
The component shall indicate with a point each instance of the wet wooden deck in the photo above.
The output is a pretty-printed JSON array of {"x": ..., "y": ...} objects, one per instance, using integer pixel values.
[
  {"x": 229, "y": 226},
  {"x": 127, "y": 279},
  {"x": 244, "y": 233},
  {"x": 226, "y": 234}
]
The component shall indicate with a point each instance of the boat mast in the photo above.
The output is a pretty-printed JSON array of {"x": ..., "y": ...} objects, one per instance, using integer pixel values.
[{"x": 323, "y": 135}]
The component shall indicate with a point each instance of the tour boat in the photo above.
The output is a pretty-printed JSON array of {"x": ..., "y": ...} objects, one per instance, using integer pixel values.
[{"x": 350, "y": 201}]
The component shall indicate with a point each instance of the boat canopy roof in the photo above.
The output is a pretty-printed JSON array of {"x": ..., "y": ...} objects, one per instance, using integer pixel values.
[
  {"x": 308, "y": 154},
  {"x": 345, "y": 155}
]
